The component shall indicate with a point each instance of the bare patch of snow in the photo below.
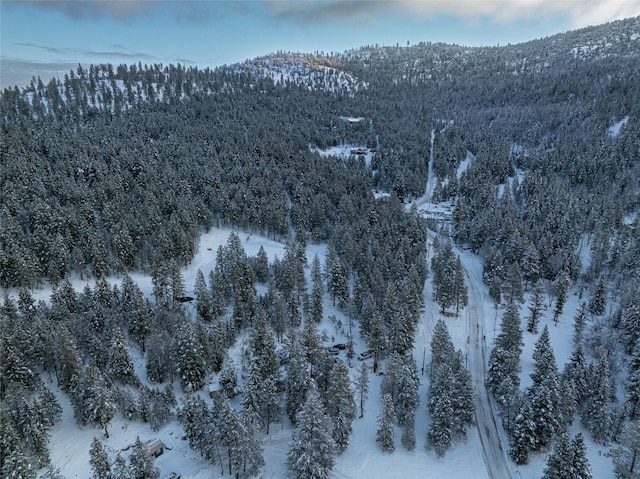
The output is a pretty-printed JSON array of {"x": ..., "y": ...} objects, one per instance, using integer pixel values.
[{"x": 614, "y": 130}]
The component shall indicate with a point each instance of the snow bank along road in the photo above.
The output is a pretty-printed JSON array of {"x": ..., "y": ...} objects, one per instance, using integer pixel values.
[{"x": 494, "y": 452}]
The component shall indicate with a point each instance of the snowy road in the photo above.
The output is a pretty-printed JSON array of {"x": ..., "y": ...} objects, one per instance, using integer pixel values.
[{"x": 494, "y": 450}]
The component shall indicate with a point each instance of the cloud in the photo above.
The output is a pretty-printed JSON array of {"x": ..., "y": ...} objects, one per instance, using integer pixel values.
[
  {"x": 123, "y": 10},
  {"x": 579, "y": 12},
  {"x": 314, "y": 11},
  {"x": 47, "y": 48},
  {"x": 116, "y": 51},
  {"x": 17, "y": 71},
  {"x": 182, "y": 11}
]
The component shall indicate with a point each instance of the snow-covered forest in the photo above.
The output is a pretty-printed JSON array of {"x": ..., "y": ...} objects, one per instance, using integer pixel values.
[{"x": 392, "y": 261}]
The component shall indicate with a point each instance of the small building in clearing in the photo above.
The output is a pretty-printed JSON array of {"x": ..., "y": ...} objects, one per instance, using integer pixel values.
[{"x": 155, "y": 448}]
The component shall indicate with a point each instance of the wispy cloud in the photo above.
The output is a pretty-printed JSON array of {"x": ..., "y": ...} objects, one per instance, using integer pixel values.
[
  {"x": 46, "y": 48},
  {"x": 115, "y": 52},
  {"x": 182, "y": 11},
  {"x": 123, "y": 10},
  {"x": 17, "y": 71},
  {"x": 579, "y": 12}
]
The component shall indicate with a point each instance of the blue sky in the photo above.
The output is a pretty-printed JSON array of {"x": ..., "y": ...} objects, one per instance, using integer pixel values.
[{"x": 50, "y": 37}]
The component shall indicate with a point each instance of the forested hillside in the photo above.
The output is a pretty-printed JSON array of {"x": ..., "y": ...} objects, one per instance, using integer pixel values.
[{"x": 113, "y": 170}]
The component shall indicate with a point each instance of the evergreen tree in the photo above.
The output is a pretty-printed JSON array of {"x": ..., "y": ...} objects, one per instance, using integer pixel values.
[
  {"x": 120, "y": 468},
  {"x": 362, "y": 386},
  {"x": 99, "y": 460},
  {"x": 579, "y": 322},
  {"x": 513, "y": 284},
  {"x": 317, "y": 291},
  {"x": 576, "y": 372},
  {"x": 407, "y": 401},
  {"x": 229, "y": 377},
  {"x": 190, "y": 358},
  {"x": 229, "y": 432},
  {"x": 94, "y": 403},
  {"x": 440, "y": 435},
  {"x": 523, "y": 434},
  {"x": 581, "y": 467},
  {"x": 544, "y": 393},
  {"x": 204, "y": 307},
  {"x": 462, "y": 399},
  {"x": 503, "y": 378},
  {"x": 252, "y": 451},
  {"x": 385, "y": 433},
  {"x": 560, "y": 462},
  {"x": 13, "y": 460},
  {"x": 297, "y": 379},
  {"x": 626, "y": 456},
  {"x": 377, "y": 339},
  {"x": 633, "y": 384},
  {"x": 120, "y": 363},
  {"x": 141, "y": 464},
  {"x": 536, "y": 307},
  {"x": 461, "y": 294},
  {"x": 562, "y": 288},
  {"x": 595, "y": 414},
  {"x": 442, "y": 348},
  {"x": 195, "y": 417},
  {"x": 341, "y": 407},
  {"x": 446, "y": 276},
  {"x": 598, "y": 302},
  {"x": 311, "y": 450}
]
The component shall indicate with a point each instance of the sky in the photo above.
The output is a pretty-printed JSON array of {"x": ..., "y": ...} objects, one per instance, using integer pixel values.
[{"x": 48, "y": 38}]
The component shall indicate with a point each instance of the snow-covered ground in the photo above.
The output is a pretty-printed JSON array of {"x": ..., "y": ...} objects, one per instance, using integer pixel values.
[
  {"x": 483, "y": 455},
  {"x": 344, "y": 151},
  {"x": 614, "y": 130}
]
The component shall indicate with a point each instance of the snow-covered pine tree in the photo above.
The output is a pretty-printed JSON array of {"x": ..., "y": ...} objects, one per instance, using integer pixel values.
[
  {"x": 461, "y": 295},
  {"x": 633, "y": 384},
  {"x": 561, "y": 284},
  {"x": 512, "y": 284},
  {"x": 523, "y": 431},
  {"x": 362, "y": 386},
  {"x": 536, "y": 307},
  {"x": 120, "y": 468},
  {"x": 581, "y": 466},
  {"x": 503, "y": 377},
  {"x": 141, "y": 464},
  {"x": 195, "y": 417},
  {"x": 94, "y": 403},
  {"x": 385, "y": 433},
  {"x": 317, "y": 291},
  {"x": 190, "y": 358},
  {"x": 229, "y": 432},
  {"x": 204, "y": 307},
  {"x": 297, "y": 378},
  {"x": 576, "y": 371},
  {"x": 252, "y": 454},
  {"x": 229, "y": 377},
  {"x": 311, "y": 450},
  {"x": 341, "y": 407},
  {"x": 596, "y": 416},
  {"x": 120, "y": 362},
  {"x": 560, "y": 462},
  {"x": 462, "y": 398},
  {"x": 598, "y": 302},
  {"x": 626, "y": 456},
  {"x": 440, "y": 435},
  {"x": 406, "y": 401},
  {"x": 544, "y": 393},
  {"x": 99, "y": 460},
  {"x": 442, "y": 348},
  {"x": 580, "y": 322}
]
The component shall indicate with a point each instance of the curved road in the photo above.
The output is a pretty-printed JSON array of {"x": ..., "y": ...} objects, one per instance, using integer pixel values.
[{"x": 495, "y": 455}]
